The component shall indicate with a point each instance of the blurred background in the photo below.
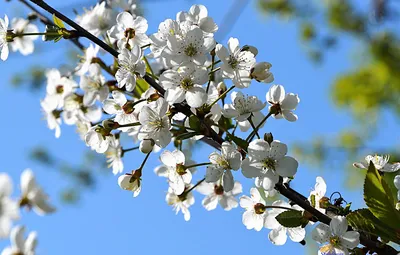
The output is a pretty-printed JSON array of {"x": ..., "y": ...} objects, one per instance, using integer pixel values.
[{"x": 341, "y": 56}]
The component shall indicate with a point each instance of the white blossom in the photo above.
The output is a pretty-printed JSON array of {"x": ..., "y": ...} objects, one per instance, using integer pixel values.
[
  {"x": 180, "y": 203},
  {"x": 242, "y": 107},
  {"x": 278, "y": 234},
  {"x": 52, "y": 116},
  {"x": 98, "y": 138},
  {"x": 178, "y": 175},
  {"x": 96, "y": 20},
  {"x": 268, "y": 161},
  {"x": 58, "y": 88},
  {"x": 90, "y": 53},
  {"x": 129, "y": 31},
  {"x": 155, "y": 123},
  {"x": 114, "y": 156},
  {"x": 336, "y": 235},
  {"x": 125, "y": 5},
  {"x": 3, "y": 38},
  {"x": 222, "y": 164},
  {"x": 93, "y": 85},
  {"x": 20, "y": 245},
  {"x": 33, "y": 194},
  {"x": 9, "y": 209},
  {"x": 255, "y": 215},
  {"x": 126, "y": 182},
  {"x": 216, "y": 194},
  {"x": 236, "y": 63},
  {"x": 381, "y": 163},
  {"x": 260, "y": 72},
  {"x": 122, "y": 108},
  {"x": 283, "y": 104},
  {"x": 198, "y": 16},
  {"x": 75, "y": 111},
  {"x": 191, "y": 48},
  {"x": 131, "y": 66},
  {"x": 159, "y": 40},
  {"x": 318, "y": 193},
  {"x": 185, "y": 83},
  {"x": 23, "y": 44}
]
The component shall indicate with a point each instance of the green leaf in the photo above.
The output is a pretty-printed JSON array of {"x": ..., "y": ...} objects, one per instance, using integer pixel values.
[
  {"x": 291, "y": 219},
  {"x": 364, "y": 221},
  {"x": 141, "y": 86},
  {"x": 58, "y": 22},
  {"x": 194, "y": 122},
  {"x": 187, "y": 135},
  {"x": 379, "y": 199},
  {"x": 389, "y": 179},
  {"x": 238, "y": 141}
]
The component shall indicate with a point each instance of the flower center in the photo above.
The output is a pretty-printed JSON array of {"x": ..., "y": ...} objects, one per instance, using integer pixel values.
[
  {"x": 233, "y": 62},
  {"x": 180, "y": 169},
  {"x": 190, "y": 50},
  {"x": 158, "y": 124},
  {"x": 269, "y": 163},
  {"x": 218, "y": 189},
  {"x": 130, "y": 33},
  {"x": 334, "y": 241},
  {"x": 259, "y": 208},
  {"x": 60, "y": 89},
  {"x": 187, "y": 83}
]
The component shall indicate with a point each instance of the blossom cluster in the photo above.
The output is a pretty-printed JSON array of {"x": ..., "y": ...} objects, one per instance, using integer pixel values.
[
  {"x": 32, "y": 197},
  {"x": 169, "y": 89}
]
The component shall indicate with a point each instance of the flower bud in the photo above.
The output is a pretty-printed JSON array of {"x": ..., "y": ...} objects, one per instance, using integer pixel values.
[
  {"x": 146, "y": 146},
  {"x": 260, "y": 72},
  {"x": 110, "y": 124},
  {"x": 221, "y": 87},
  {"x": 324, "y": 203},
  {"x": 250, "y": 48},
  {"x": 130, "y": 182}
]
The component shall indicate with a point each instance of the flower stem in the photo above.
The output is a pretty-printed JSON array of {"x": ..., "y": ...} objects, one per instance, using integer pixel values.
[
  {"x": 221, "y": 96},
  {"x": 211, "y": 76},
  {"x": 196, "y": 165},
  {"x": 148, "y": 66},
  {"x": 253, "y": 133},
  {"x": 279, "y": 207},
  {"x": 130, "y": 149},
  {"x": 144, "y": 161},
  {"x": 197, "y": 184},
  {"x": 253, "y": 126},
  {"x": 212, "y": 66},
  {"x": 129, "y": 125}
]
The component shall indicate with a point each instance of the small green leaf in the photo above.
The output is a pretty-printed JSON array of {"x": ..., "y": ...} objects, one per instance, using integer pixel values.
[
  {"x": 238, "y": 141},
  {"x": 58, "y": 22},
  {"x": 141, "y": 86},
  {"x": 291, "y": 219},
  {"x": 194, "y": 122},
  {"x": 364, "y": 221},
  {"x": 379, "y": 199},
  {"x": 58, "y": 38},
  {"x": 389, "y": 179},
  {"x": 187, "y": 135}
]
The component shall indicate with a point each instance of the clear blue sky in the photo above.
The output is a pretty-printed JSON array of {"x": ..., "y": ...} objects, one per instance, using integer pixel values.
[{"x": 108, "y": 220}]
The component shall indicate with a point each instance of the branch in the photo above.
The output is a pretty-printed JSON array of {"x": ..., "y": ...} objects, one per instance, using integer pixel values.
[{"x": 47, "y": 21}]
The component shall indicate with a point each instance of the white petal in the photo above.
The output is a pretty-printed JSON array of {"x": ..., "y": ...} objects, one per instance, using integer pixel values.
[
  {"x": 350, "y": 239},
  {"x": 320, "y": 186},
  {"x": 6, "y": 185},
  {"x": 276, "y": 94},
  {"x": 174, "y": 95},
  {"x": 119, "y": 97},
  {"x": 228, "y": 181},
  {"x": 287, "y": 167},
  {"x": 196, "y": 97},
  {"x": 321, "y": 233},
  {"x": 248, "y": 219},
  {"x": 213, "y": 173},
  {"x": 210, "y": 202},
  {"x": 290, "y": 102},
  {"x": 296, "y": 234},
  {"x": 278, "y": 236},
  {"x": 289, "y": 115},
  {"x": 278, "y": 150},
  {"x": 338, "y": 225},
  {"x": 168, "y": 159},
  {"x": 246, "y": 202},
  {"x": 27, "y": 181}
]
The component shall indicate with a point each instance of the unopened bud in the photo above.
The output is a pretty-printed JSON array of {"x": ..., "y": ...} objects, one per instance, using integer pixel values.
[
  {"x": 324, "y": 203},
  {"x": 146, "y": 146},
  {"x": 260, "y": 72},
  {"x": 221, "y": 88},
  {"x": 130, "y": 182},
  {"x": 250, "y": 48},
  {"x": 153, "y": 97},
  {"x": 110, "y": 124},
  {"x": 268, "y": 137}
]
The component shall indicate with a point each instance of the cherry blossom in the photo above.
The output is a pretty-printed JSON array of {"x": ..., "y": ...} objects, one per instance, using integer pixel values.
[
  {"x": 180, "y": 203},
  {"x": 20, "y": 245},
  {"x": 3, "y": 38},
  {"x": 216, "y": 194},
  {"x": 255, "y": 215},
  {"x": 9, "y": 209},
  {"x": 381, "y": 163},
  {"x": 23, "y": 44},
  {"x": 282, "y": 104}
]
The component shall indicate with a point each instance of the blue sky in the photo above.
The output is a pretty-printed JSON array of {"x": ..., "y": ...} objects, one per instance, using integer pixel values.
[{"x": 108, "y": 220}]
